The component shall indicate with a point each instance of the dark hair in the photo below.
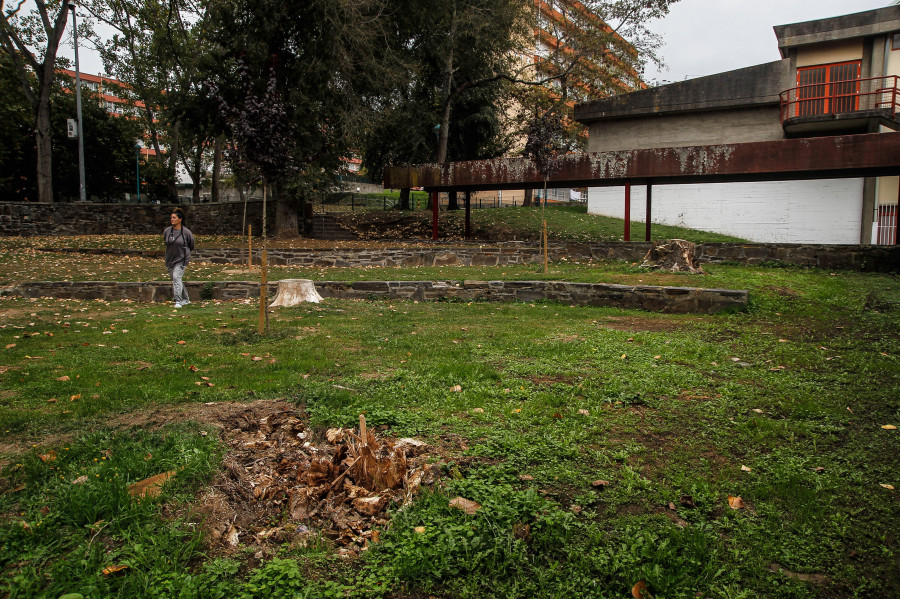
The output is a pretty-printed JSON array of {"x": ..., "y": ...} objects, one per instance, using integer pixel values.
[{"x": 177, "y": 212}]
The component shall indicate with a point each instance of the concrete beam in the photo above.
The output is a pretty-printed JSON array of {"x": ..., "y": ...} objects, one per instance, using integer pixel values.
[{"x": 835, "y": 157}]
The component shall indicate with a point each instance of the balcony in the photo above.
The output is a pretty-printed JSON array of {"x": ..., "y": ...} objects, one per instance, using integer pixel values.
[{"x": 856, "y": 106}]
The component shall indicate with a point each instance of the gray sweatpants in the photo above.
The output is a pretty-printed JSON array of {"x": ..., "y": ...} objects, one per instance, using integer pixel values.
[{"x": 179, "y": 293}]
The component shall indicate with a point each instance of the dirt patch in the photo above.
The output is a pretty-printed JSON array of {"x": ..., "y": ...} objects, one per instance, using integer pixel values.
[{"x": 649, "y": 324}]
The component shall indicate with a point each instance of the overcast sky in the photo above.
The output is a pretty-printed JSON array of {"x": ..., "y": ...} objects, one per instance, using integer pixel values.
[{"x": 703, "y": 37}]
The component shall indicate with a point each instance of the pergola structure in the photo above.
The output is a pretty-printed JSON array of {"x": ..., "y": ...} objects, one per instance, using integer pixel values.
[{"x": 832, "y": 157}]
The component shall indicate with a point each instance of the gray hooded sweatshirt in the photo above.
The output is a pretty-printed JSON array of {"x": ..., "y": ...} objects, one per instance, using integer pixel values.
[{"x": 179, "y": 244}]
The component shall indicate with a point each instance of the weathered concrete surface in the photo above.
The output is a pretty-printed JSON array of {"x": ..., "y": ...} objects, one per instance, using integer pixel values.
[
  {"x": 680, "y": 300},
  {"x": 872, "y": 154}
]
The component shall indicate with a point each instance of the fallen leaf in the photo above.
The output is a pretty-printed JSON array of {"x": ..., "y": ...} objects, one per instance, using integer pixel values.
[
  {"x": 74, "y": 397},
  {"x": 639, "y": 591},
  {"x": 456, "y": 388},
  {"x": 150, "y": 487},
  {"x": 48, "y": 457},
  {"x": 889, "y": 427},
  {"x": 467, "y": 505},
  {"x": 10, "y": 345},
  {"x": 182, "y": 343},
  {"x": 113, "y": 569},
  {"x": 889, "y": 487},
  {"x": 600, "y": 484},
  {"x": 526, "y": 477},
  {"x": 746, "y": 469},
  {"x": 419, "y": 529},
  {"x": 80, "y": 480},
  {"x": 193, "y": 368},
  {"x": 735, "y": 503},
  {"x": 231, "y": 537},
  {"x": 584, "y": 412},
  {"x": 63, "y": 378}
]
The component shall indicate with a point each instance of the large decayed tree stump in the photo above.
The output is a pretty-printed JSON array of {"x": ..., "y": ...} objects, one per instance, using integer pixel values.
[
  {"x": 673, "y": 255},
  {"x": 295, "y": 291}
]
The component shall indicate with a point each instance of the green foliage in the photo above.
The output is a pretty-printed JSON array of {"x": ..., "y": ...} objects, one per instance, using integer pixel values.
[
  {"x": 666, "y": 408},
  {"x": 74, "y": 516}
]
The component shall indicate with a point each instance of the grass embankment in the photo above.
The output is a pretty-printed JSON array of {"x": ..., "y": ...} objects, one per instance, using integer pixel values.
[{"x": 783, "y": 406}]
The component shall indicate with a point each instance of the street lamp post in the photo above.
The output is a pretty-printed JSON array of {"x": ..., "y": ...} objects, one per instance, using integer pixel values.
[
  {"x": 137, "y": 167},
  {"x": 82, "y": 193}
]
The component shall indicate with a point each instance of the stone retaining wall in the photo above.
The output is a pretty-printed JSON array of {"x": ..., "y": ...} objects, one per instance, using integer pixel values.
[
  {"x": 681, "y": 300},
  {"x": 842, "y": 257},
  {"x": 33, "y": 219}
]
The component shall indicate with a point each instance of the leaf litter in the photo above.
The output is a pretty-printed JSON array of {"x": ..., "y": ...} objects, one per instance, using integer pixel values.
[{"x": 283, "y": 484}]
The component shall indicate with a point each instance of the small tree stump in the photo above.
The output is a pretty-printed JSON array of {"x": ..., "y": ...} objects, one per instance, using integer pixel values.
[
  {"x": 295, "y": 291},
  {"x": 674, "y": 255}
]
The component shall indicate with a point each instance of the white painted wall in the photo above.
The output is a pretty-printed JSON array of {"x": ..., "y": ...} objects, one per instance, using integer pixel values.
[{"x": 827, "y": 211}]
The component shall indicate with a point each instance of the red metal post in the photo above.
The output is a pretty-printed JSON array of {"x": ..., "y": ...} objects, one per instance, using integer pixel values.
[
  {"x": 434, "y": 215},
  {"x": 627, "y": 210},
  {"x": 897, "y": 220},
  {"x": 468, "y": 214},
  {"x": 649, "y": 203}
]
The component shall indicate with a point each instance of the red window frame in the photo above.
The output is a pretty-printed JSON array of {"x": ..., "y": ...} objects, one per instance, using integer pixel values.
[{"x": 828, "y": 88}]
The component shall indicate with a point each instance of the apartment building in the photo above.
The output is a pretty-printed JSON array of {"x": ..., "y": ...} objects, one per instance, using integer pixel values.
[{"x": 837, "y": 76}]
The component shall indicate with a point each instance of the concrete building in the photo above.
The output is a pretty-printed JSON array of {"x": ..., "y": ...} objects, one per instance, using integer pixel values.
[{"x": 837, "y": 76}]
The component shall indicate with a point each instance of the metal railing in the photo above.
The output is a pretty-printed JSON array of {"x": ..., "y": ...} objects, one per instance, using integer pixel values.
[{"x": 842, "y": 97}]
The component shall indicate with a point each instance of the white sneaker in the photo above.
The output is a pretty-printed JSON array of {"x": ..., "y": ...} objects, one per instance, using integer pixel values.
[
  {"x": 185, "y": 302},
  {"x": 178, "y": 305}
]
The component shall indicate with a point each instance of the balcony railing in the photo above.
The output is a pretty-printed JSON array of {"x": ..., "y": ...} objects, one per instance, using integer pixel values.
[{"x": 876, "y": 94}]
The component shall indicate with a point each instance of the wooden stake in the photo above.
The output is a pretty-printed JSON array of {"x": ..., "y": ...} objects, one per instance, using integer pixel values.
[
  {"x": 249, "y": 248},
  {"x": 263, "y": 316},
  {"x": 545, "y": 247}
]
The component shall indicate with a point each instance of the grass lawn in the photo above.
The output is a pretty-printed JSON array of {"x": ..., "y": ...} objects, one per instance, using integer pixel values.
[{"x": 729, "y": 456}]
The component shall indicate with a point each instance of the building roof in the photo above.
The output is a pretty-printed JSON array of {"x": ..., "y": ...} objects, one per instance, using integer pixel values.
[
  {"x": 758, "y": 85},
  {"x": 862, "y": 24}
]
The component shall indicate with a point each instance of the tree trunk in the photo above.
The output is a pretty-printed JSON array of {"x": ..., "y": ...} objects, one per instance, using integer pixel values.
[
  {"x": 287, "y": 210},
  {"x": 673, "y": 255},
  {"x": 452, "y": 203},
  {"x": 295, "y": 291},
  {"x": 529, "y": 198},
  {"x": 217, "y": 170},
  {"x": 44, "y": 142},
  {"x": 404, "y": 199}
]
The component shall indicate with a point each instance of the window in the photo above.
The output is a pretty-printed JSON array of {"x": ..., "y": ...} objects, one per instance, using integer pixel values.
[
  {"x": 828, "y": 89},
  {"x": 895, "y": 41}
]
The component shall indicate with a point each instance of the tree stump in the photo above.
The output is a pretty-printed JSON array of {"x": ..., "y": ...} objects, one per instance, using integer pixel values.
[
  {"x": 673, "y": 255},
  {"x": 295, "y": 291}
]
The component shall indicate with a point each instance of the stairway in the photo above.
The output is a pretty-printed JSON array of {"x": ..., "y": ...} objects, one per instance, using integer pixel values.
[{"x": 326, "y": 226}]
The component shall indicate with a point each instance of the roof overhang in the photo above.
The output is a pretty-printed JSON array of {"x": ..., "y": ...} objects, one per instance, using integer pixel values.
[{"x": 873, "y": 154}]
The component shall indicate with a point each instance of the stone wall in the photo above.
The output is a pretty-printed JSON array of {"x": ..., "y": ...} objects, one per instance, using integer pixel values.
[
  {"x": 33, "y": 219},
  {"x": 841, "y": 257},
  {"x": 680, "y": 300}
]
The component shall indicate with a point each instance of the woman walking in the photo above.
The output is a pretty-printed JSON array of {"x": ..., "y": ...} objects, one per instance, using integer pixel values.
[{"x": 179, "y": 243}]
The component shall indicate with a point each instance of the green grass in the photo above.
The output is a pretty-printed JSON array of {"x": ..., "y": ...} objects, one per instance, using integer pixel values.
[{"x": 666, "y": 408}]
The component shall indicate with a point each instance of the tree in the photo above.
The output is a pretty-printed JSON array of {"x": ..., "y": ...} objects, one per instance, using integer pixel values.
[
  {"x": 30, "y": 43},
  {"x": 587, "y": 49},
  {"x": 156, "y": 50},
  {"x": 108, "y": 150},
  {"x": 328, "y": 65}
]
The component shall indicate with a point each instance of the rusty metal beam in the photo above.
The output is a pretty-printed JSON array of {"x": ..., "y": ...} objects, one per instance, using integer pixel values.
[{"x": 871, "y": 154}]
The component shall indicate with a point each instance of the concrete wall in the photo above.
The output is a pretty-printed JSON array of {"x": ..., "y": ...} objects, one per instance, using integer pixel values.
[
  {"x": 840, "y": 51},
  {"x": 758, "y": 123},
  {"x": 823, "y": 211}
]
